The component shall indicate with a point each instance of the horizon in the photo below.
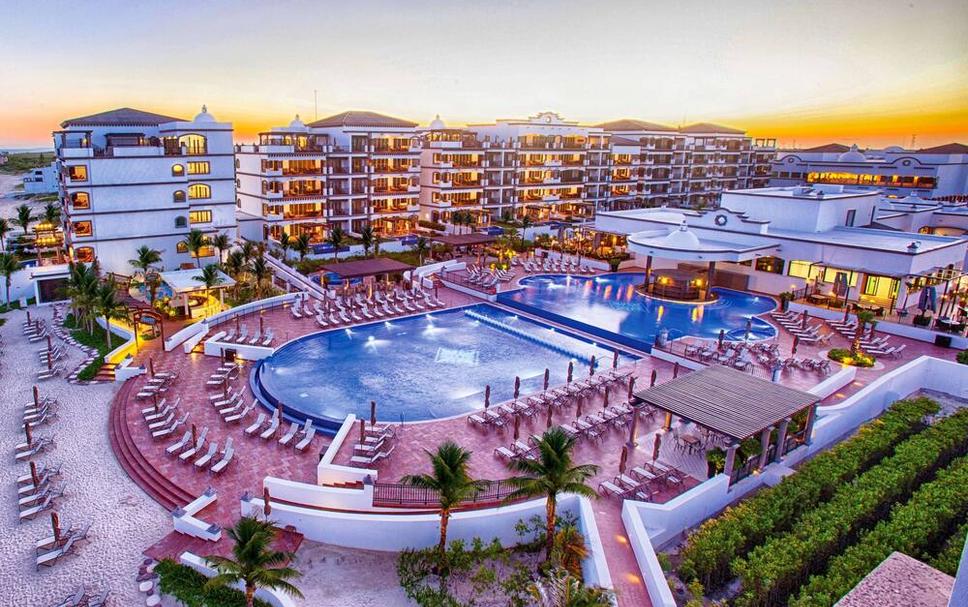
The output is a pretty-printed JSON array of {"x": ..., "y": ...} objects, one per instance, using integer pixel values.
[{"x": 741, "y": 65}]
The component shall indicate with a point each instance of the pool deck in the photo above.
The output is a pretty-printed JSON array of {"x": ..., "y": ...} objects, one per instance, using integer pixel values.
[{"x": 255, "y": 459}]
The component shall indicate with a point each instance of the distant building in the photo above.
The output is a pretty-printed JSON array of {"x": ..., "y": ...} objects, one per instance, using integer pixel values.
[
  {"x": 41, "y": 180},
  {"x": 130, "y": 178},
  {"x": 937, "y": 172}
]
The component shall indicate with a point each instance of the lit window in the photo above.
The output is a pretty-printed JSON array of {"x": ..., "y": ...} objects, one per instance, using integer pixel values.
[
  {"x": 82, "y": 228},
  {"x": 84, "y": 254},
  {"x": 181, "y": 247},
  {"x": 177, "y": 170},
  {"x": 181, "y": 222},
  {"x": 200, "y": 217},
  {"x": 193, "y": 144},
  {"x": 199, "y": 190},
  {"x": 81, "y": 200},
  {"x": 77, "y": 172},
  {"x": 199, "y": 168},
  {"x": 178, "y": 196}
]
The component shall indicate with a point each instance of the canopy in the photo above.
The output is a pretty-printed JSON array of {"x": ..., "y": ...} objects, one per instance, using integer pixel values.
[
  {"x": 185, "y": 281},
  {"x": 366, "y": 267}
]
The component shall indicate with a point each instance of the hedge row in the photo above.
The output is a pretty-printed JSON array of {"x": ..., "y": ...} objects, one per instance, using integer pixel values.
[
  {"x": 949, "y": 557},
  {"x": 773, "y": 571},
  {"x": 913, "y": 527},
  {"x": 738, "y": 530}
]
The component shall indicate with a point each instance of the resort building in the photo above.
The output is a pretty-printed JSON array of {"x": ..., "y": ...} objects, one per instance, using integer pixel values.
[
  {"x": 352, "y": 170},
  {"x": 130, "y": 178},
  {"x": 939, "y": 172},
  {"x": 824, "y": 243},
  {"x": 42, "y": 180}
]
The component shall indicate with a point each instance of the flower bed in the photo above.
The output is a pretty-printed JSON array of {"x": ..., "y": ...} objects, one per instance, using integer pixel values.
[
  {"x": 718, "y": 541},
  {"x": 916, "y": 526},
  {"x": 844, "y": 356},
  {"x": 773, "y": 571}
]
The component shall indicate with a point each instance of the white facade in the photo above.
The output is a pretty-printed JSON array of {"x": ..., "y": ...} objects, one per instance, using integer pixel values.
[
  {"x": 42, "y": 180},
  {"x": 130, "y": 178},
  {"x": 938, "y": 172}
]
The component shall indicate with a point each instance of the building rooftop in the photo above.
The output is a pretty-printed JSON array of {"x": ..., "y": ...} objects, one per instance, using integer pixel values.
[
  {"x": 900, "y": 581},
  {"x": 709, "y": 127},
  {"x": 125, "y": 116},
  {"x": 186, "y": 281},
  {"x": 624, "y": 141},
  {"x": 360, "y": 118},
  {"x": 802, "y": 192},
  {"x": 631, "y": 124},
  {"x": 829, "y": 148},
  {"x": 948, "y": 148}
]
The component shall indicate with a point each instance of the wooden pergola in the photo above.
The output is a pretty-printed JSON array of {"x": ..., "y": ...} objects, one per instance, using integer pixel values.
[
  {"x": 735, "y": 404},
  {"x": 362, "y": 268}
]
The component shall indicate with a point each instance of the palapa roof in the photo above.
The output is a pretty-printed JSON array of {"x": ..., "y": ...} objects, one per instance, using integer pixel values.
[
  {"x": 359, "y": 118},
  {"x": 948, "y": 148},
  {"x": 366, "y": 267},
  {"x": 462, "y": 240},
  {"x": 727, "y": 401},
  {"x": 124, "y": 116},
  {"x": 709, "y": 127},
  {"x": 631, "y": 124}
]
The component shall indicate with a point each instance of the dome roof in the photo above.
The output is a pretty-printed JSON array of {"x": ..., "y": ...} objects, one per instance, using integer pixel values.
[
  {"x": 204, "y": 116},
  {"x": 297, "y": 123},
  {"x": 894, "y": 149},
  {"x": 437, "y": 124},
  {"x": 682, "y": 239},
  {"x": 852, "y": 155}
]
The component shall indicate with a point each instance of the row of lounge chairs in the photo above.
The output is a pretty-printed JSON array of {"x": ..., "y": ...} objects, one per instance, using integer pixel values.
[
  {"x": 643, "y": 482},
  {"x": 344, "y": 311},
  {"x": 378, "y": 445},
  {"x": 878, "y": 346},
  {"x": 243, "y": 337},
  {"x": 193, "y": 452},
  {"x": 793, "y": 322},
  {"x": 299, "y": 437},
  {"x": 569, "y": 266},
  {"x": 81, "y": 598}
]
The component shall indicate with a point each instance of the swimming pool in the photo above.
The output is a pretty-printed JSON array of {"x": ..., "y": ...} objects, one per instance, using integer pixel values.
[
  {"x": 610, "y": 307},
  {"x": 421, "y": 367}
]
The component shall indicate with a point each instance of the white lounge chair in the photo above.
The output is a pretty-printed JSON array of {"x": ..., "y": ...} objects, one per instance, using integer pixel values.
[
  {"x": 290, "y": 434},
  {"x": 306, "y": 440},
  {"x": 204, "y": 460},
  {"x": 181, "y": 444},
  {"x": 227, "y": 454},
  {"x": 273, "y": 427},
  {"x": 239, "y": 416},
  {"x": 257, "y": 425}
]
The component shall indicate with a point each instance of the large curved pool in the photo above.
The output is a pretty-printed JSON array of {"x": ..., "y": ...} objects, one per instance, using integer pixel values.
[
  {"x": 609, "y": 306},
  {"x": 422, "y": 367}
]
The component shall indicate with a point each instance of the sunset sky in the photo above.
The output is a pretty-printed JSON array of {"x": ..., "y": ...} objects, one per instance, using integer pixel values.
[{"x": 870, "y": 72}]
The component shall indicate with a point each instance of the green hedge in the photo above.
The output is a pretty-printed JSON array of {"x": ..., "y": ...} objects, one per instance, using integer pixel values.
[
  {"x": 737, "y": 530},
  {"x": 949, "y": 557},
  {"x": 915, "y": 526},
  {"x": 188, "y": 586},
  {"x": 773, "y": 571}
]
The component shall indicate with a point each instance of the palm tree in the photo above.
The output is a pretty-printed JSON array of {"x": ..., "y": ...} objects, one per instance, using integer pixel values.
[
  {"x": 4, "y": 230},
  {"x": 9, "y": 264},
  {"x": 526, "y": 222},
  {"x": 222, "y": 243},
  {"x": 195, "y": 242},
  {"x": 106, "y": 305},
  {"x": 301, "y": 246},
  {"x": 561, "y": 589},
  {"x": 253, "y": 562},
  {"x": 248, "y": 250},
  {"x": 336, "y": 236},
  {"x": 451, "y": 480},
  {"x": 210, "y": 277},
  {"x": 52, "y": 214},
  {"x": 23, "y": 218},
  {"x": 421, "y": 246},
  {"x": 366, "y": 238},
  {"x": 260, "y": 273},
  {"x": 236, "y": 266},
  {"x": 864, "y": 317},
  {"x": 550, "y": 474},
  {"x": 80, "y": 289},
  {"x": 285, "y": 243},
  {"x": 146, "y": 260}
]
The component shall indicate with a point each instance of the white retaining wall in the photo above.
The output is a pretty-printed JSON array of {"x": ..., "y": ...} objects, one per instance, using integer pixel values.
[
  {"x": 328, "y": 473},
  {"x": 215, "y": 347},
  {"x": 202, "y": 327}
]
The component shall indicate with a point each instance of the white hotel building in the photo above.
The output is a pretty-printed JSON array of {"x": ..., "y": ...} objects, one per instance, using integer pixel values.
[
  {"x": 350, "y": 170},
  {"x": 130, "y": 178}
]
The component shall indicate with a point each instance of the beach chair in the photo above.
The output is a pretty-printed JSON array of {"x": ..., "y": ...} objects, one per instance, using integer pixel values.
[
  {"x": 49, "y": 558},
  {"x": 49, "y": 373},
  {"x": 239, "y": 416},
  {"x": 607, "y": 488},
  {"x": 160, "y": 415},
  {"x": 227, "y": 454},
  {"x": 170, "y": 429},
  {"x": 321, "y": 321},
  {"x": 181, "y": 444},
  {"x": 33, "y": 511},
  {"x": 204, "y": 460},
  {"x": 28, "y": 452},
  {"x": 272, "y": 428},
  {"x": 290, "y": 434},
  {"x": 163, "y": 422},
  {"x": 306, "y": 440},
  {"x": 505, "y": 453},
  {"x": 196, "y": 447},
  {"x": 251, "y": 430},
  {"x": 79, "y": 597}
]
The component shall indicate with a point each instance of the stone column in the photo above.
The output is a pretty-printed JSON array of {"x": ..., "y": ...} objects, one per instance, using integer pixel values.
[
  {"x": 648, "y": 273},
  {"x": 764, "y": 447},
  {"x": 709, "y": 278},
  {"x": 667, "y": 424},
  {"x": 811, "y": 418},
  {"x": 730, "y": 459},
  {"x": 781, "y": 440}
]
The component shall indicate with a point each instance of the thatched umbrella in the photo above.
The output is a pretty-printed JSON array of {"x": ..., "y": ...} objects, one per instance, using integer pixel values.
[
  {"x": 372, "y": 413},
  {"x": 517, "y": 427},
  {"x": 623, "y": 459},
  {"x": 615, "y": 359},
  {"x": 266, "y": 507},
  {"x": 55, "y": 526},
  {"x": 675, "y": 370},
  {"x": 547, "y": 377},
  {"x": 571, "y": 369},
  {"x": 591, "y": 366},
  {"x": 655, "y": 374},
  {"x": 517, "y": 387},
  {"x": 487, "y": 396},
  {"x": 656, "y": 446}
]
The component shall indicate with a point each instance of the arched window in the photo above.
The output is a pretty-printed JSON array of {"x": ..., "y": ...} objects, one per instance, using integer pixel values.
[
  {"x": 199, "y": 190},
  {"x": 178, "y": 196},
  {"x": 177, "y": 170},
  {"x": 84, "y": 254},
  {"x": 193, "y": 143},
  {"x": 181, "y": 222},
  {"x": 236, "y": 163},
  {"x": 80, "y": 200}
]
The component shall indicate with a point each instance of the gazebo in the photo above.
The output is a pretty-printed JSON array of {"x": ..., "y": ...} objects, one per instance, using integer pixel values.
[
  {"x": 736, "y": 405},
  {"x": 465, "y": 242},
  {"x": 363, "y": 268},
  {"x": 188, "y": 291}
]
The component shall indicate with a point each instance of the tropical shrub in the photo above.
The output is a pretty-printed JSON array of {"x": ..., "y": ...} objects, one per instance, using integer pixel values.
[
  {"x": 188, "y": 586},
  {"x": 912, "y": 527},
  {"x": 963, "y": 357},
  {"x": 949, "y": 557},
  {"x": 843, "y": 355},
  {"x": 773, "y": 571},
  {"x": 431, "y": 225},
  {"x": 718, "y": 541}
]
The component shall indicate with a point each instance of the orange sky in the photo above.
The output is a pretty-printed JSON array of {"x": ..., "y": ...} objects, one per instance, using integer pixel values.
[{"x": 871, "y": 72}]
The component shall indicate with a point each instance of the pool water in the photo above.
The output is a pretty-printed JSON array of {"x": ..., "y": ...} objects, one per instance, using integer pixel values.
[
  {"x": 422, "y": 367},
  {"x": 609, "y": 306}
]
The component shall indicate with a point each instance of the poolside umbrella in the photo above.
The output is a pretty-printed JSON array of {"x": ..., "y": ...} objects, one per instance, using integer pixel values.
[
  {"x": 578, "y": 408},
  {"x": 262, "y": 324},
  {"x": 238, "y": 324},
  {"x": 36, "y": 397},
  {"x": 591, "y": 366},
  {"x": 548, "y": 421},
  {"x": 633, "y": 428},
  {"x": 803, "y": 319},
  {"x": 623, "y": 459},
  {"x": 50, "y": 360},
  {"x": 151, "y": 366},
  {"x": 722, "y": 337},
  {"x": 571, "y": 369},
  {"x": 656, "y": 445},
  {"x": 266, "y": 508},
  {"x": 194, "y": 435},
  {"x": 675, "y": 370},
  {"x": 605, "y": 399},
  {"x": 517, "y": 387},
  {"x": 28, "y": 317},
  {"x": 28, "y": 434},
  {"x": 33, "y": 474},
  {"x": 631, "y": 389},
  {"x": 655, "y": 374},
  {"x": 487, "y": 396},
  {"x": 547, "y": 376},
  {"x": 517, "y": 427},
  {"x": 55, "y": 526},
  {"x": 372, "y": 413},
  {"x": 615, "y": 359},
  {"x": 796, "y": 342},
  {"x": 49, "y": 345},
  {"x": 154, "y": 396},
  {"x": 362, "y": 431}
]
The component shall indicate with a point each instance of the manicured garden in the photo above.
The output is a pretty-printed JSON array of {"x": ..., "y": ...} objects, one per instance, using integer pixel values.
[{"x": 782, "y": 541}]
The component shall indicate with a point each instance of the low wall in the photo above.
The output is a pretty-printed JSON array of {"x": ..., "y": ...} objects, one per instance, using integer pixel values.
[
  {"x": 842, "y": 377},
  {"x": 204, "y": 326},
  {"x": 885, "y": 326},
  {"x": 342, "y": 498},
  {"x": 215, "y": 347},
  {"x": 328, "y": 473}
]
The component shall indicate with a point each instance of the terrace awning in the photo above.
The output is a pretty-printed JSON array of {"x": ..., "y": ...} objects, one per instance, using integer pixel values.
[
  {"x": 464, "y": 240},
  {"x": 366, "y": 267},
  {"x": 728, "y": 401}
]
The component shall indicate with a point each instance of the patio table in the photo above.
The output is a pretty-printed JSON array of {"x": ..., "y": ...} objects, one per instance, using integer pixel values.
[{"x": 691, "y": 442}]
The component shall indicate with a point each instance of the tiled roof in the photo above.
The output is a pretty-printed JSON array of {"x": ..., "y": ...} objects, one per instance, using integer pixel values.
[
  {"x": 624, "y": 141},
  {"x": 125, "y": 116},
  {"x": 630, "y": 124},
  {"x": 370, "y": 119},
  {"x": 948, "y": 148},
  {"x": 709, "y": 127},
  {"x": 838, "y": 148},
  {"x": 900, "y": 581}
]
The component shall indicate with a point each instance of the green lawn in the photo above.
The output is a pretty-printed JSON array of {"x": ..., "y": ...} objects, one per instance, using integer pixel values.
[{"x": 96, "y": 340}]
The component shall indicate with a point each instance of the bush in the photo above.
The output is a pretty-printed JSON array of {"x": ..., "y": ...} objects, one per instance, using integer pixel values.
[
  {"x": 949, "y": 557},
  {"x": 188, "y": 586},
  {"x": 718, "y": 541},
  {"x": 844, "y": 356},
  {"x": 913, "y": 527},
  {"x": 963, "y": 357},
  {"x": 88, "y": 372},
  {"x": 431, "y": 225},
  {"x": 774, "y": 570}
]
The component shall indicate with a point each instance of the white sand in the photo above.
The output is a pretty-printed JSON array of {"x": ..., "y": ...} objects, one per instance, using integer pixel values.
[
  {"x": 124, "y": 521},
  {"x": 337, "y": 577}
]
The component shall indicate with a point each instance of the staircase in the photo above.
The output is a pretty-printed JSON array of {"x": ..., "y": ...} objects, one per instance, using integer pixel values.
[
  {"x": 105, "y": 373},
  {"x": 151, "y": 481}
]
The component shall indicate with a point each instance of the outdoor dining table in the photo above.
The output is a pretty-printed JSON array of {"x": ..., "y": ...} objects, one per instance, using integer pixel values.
[
  {"x": 691, "y": 442},
  {"x": 818, "y": 298}
]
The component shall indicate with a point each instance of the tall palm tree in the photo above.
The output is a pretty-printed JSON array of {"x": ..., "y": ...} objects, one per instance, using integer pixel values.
[
  {"x": 336, "y": 237},
  {"x": 550, "y": 474},
  {"x": 451, "y": 480},
  {"x": 222, "y": 243},
  {"x": 248, "y": 250},
  {"x": 421, "y": 246},
  {"x": 195, "y": 242},
  {"x": 9, "y": 264},
  {"x": 254, "y": 563},
  {"x": 864, "y": 317},
  {"x": 210, "y": 277},
  {"x": 301, "y": 246},
  {"x": 23, "y": 218},
  {"x": 285, "y": 243},
  {"x": 52, "y": 214},
  {"x": 366, "y": 238},
  {"x": 526, "y": 222},
  {"x": 146, "y": 258},
  {"x": 107, "y": 306},
  {"x": 260, "y": 273},
  {"x": 236, "y": 266},
  {"x": 81, "y": 289},
  {"x": 4, "y": 230}
]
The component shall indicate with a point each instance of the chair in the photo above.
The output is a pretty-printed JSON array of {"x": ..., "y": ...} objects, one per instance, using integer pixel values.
[
  {"x": 272, "y": 428},
  {"x": 205, "y": 459},
  {"x": 178, "y": 446},
  {"x": 49, "y": 558},
  {"x": 290, "y": 434},
  {"x": 306, "y": 440},
  {"x": 227, "y": 454},
  {"x": 251, "y": 430}
]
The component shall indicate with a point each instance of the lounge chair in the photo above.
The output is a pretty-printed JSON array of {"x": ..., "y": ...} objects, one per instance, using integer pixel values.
[
  {"x": 38, "y": 446},
  {"x": 606, "y": 488},
  {"x": 33, "y": 511},
  {"x": 160, "y": 415},
  {"x": 100, "y": 600},
  {"x": 79, "y": 597},
  {"x": 49, "y": 373},
  {"x": 204, "y": 460},
  {"x": 272, "y": 428},
  {"x": 162, "y": 422},
  {"x": 239, "y": 416},
  {"x": 49, "y": 558},
  {"x": 228, "y": 402},
  {"x": 376, "y": 458},
  {"x": 267, "y": 340},
  {"x": 170, "y": 429},
  {"x": 290, "y": 434},
  {"x": 306, "y": 440},
  {"x": 227, "y": 454},
  {"x": 196, "y": 447},
  {"x": 251, "y": 430},
  {"x": 181, "y": 444},
  {"x": 505, "y": 453}
]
